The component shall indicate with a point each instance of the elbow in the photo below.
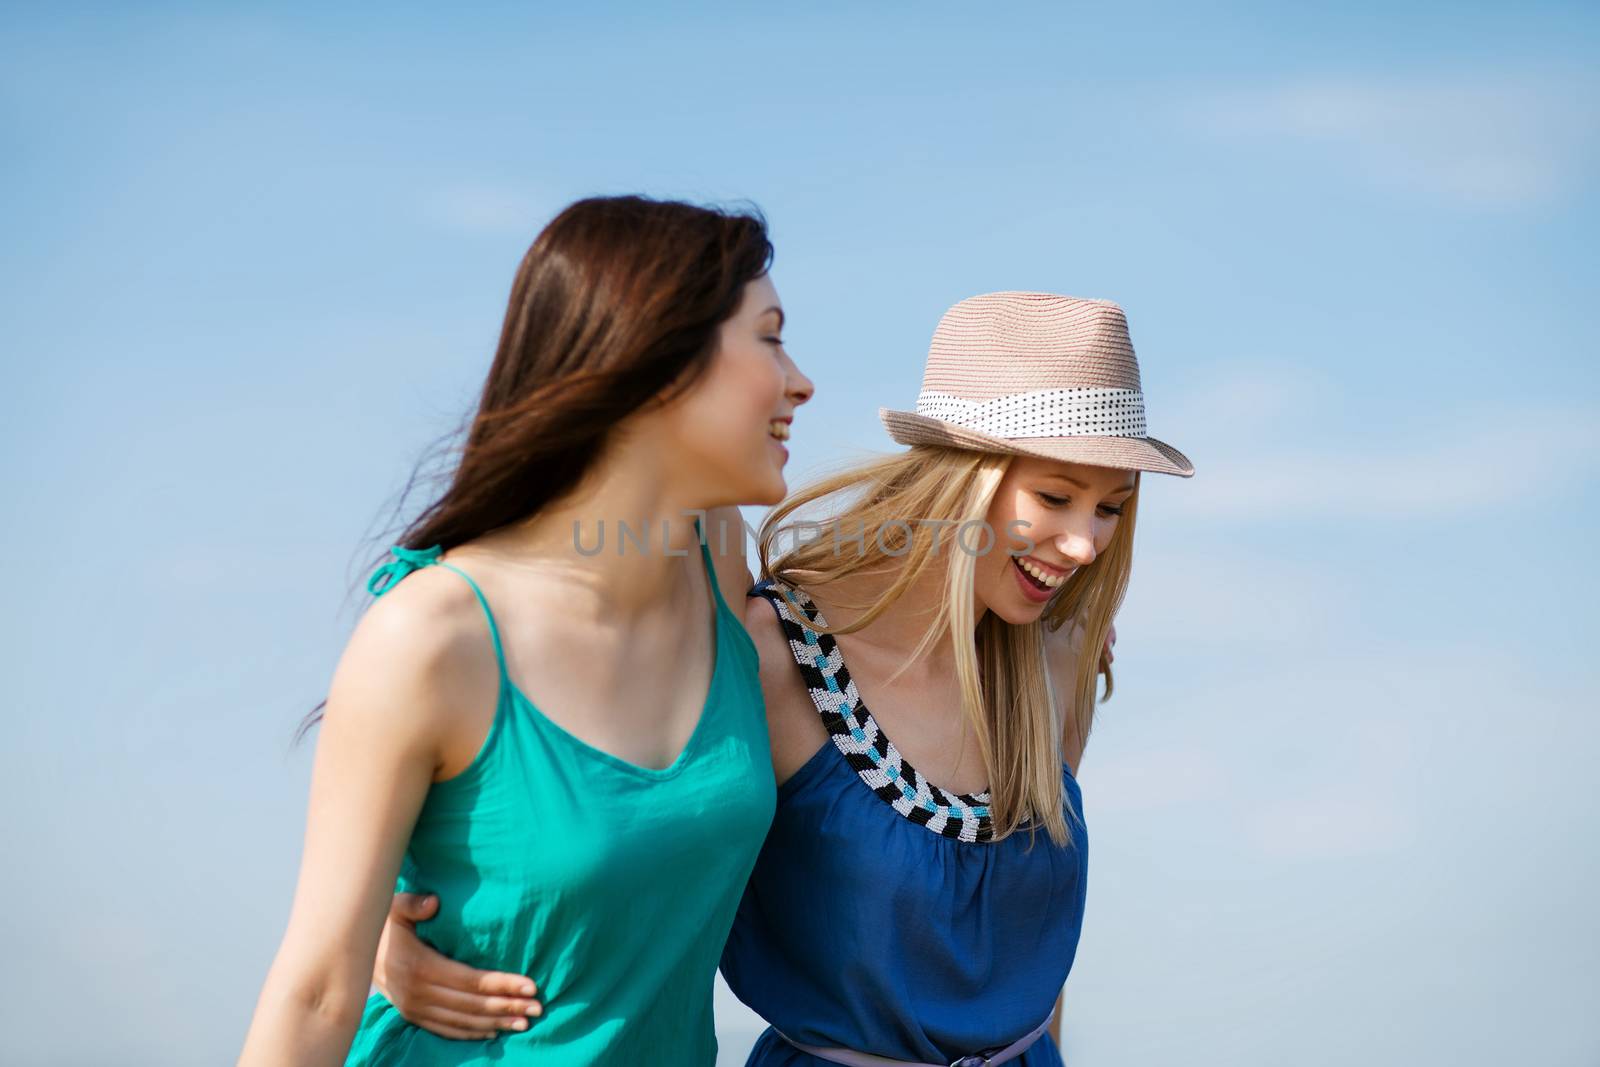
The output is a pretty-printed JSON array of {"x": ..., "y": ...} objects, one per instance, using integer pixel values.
[
  {"x": 319, "y": 1002},
  {"x": 302, "y": 1021},
  {"x": 333, "y": 1005}
]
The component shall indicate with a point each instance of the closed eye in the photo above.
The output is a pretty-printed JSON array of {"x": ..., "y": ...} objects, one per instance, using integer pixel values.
[{"x": 1050, "y": 500}]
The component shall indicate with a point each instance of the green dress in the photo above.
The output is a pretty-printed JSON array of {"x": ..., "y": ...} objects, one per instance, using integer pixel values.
[{"x": 611, "y": 885}]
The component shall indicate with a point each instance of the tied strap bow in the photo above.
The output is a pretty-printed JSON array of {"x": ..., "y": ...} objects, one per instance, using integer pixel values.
[{"x": 405, "y": 561}]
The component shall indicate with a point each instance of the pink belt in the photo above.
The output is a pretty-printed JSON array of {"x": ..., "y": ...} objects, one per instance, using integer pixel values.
[{"x": 865, "y": 1059}]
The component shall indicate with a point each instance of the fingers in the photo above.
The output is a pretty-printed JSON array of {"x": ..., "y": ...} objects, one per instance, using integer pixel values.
[
  {"x": 452, "y": 1033},
  {"x": 401, "y": 953},
  {"x": 413, "y": 907},
  {"x": 487, "y": 1010},
  {"x": 461, "y": 1026},
  {"x": 443, "y": 995},
  {"x": 469, "y": 1016},
  {"x": 444, "y": 971},
  {"x": 498, "y": 983}
]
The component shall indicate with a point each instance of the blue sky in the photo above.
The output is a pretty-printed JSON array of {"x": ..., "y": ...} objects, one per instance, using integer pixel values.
[{"x": 255, "y": 260}]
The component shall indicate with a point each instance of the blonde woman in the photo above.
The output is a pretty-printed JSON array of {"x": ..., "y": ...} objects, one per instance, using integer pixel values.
[{"x": 919, "y": 901}]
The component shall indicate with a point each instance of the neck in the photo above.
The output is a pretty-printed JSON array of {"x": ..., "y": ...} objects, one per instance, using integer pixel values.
[
  {"x": 904, "y": 624},
  {"x": 622, "y": 537}
]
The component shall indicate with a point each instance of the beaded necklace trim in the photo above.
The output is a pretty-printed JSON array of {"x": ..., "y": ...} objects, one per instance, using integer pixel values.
[{"x": 855, "y": 733}]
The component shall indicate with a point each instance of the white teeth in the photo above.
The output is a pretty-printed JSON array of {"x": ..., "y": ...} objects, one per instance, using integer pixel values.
[
  {"x": 1051, "y": 580},
  {"x": 779, "y": 429}
]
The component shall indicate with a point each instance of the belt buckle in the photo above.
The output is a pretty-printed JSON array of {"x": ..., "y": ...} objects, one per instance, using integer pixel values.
[{"x": 971, "y": 1061}]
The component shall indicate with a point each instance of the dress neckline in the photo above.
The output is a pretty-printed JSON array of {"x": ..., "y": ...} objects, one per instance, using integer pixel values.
[
  {"x": 719, "y": 656},
  {"x": 857, "y": 735},
  {"x": 406, "y": 561}
]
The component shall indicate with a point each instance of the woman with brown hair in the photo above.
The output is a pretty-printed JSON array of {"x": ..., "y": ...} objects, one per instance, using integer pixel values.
[
  {"x": 590, "y": 756},
  {"x": 919, "y": 902}
]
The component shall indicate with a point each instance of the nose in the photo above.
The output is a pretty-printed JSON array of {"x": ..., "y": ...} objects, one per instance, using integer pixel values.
[
  {"x": 796, "y": 386},
  {"x": 1076, "y": 543}
]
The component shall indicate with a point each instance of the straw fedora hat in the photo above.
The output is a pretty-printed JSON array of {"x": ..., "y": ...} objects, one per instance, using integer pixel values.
[{"x": 1036, "y": 374}]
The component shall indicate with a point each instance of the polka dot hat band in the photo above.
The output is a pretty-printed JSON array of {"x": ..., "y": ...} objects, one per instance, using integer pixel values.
[{"x": 1036, "y": 374}]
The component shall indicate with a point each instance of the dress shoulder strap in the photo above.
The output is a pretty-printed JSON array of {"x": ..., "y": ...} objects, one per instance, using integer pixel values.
[
  {"x": 791, "y": 605},
  {"x": 817, "y": 654},
  {"x": 711, "y": 570},
  {"x": 856, "y": 734},
  {"x": 407, "y": 560}
]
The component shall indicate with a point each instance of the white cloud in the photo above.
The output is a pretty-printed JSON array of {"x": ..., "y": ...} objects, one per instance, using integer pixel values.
[{"x": 1475, "y": 144}]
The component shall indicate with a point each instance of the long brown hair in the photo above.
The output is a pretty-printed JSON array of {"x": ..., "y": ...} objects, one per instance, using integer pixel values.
[
  {"x": 1001, "y": 669},
  {"x": 615, "y": 307}
]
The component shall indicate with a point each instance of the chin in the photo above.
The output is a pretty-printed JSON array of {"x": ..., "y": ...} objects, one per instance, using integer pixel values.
[
  {"x": 767, "y": 500},
  {"x": 1016, "y": 614},
  {"x": 775, "y": 490},
  {"x": 733, "y": 485},
  {"x": 767, "y": 491},
  {"x": 1005, "y": 605}
]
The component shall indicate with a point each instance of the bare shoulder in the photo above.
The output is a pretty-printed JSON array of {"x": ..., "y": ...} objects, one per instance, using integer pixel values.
[
  {"x": 795, "y": 730},
  {"x": 766, "y": 632},
  {"x": 418, "y": 657}
]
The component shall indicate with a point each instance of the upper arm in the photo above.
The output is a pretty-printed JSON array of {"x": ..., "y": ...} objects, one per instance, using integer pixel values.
[
  {"x": 1063, "y": 648},
  {"x": 378, "y": 749}
]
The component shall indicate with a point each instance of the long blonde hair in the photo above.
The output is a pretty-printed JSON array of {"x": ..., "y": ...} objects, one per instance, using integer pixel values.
[{"x": 903, "y": 508}]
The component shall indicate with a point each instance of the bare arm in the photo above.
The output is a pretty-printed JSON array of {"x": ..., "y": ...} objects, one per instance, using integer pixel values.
[
  {"x": 1064, "y": 649},
  {"x": 376, "y": 755}
]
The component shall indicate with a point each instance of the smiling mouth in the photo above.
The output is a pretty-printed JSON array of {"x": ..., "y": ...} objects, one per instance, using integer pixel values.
[
  {"x": 1040, "y": 578},
  {"x": 778, "y": 430}
]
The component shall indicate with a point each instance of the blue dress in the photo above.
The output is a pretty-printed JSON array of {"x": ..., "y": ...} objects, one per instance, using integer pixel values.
[{"x": 881, "y": 916}]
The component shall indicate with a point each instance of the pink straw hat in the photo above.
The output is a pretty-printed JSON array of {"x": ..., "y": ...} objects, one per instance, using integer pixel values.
[{"x": 1036, "y": 374}]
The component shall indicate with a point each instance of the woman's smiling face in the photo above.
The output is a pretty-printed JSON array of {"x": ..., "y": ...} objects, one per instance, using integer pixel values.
[
  {"x": 1056, "y": 516},
  {"x": 731, "y": 427}
]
